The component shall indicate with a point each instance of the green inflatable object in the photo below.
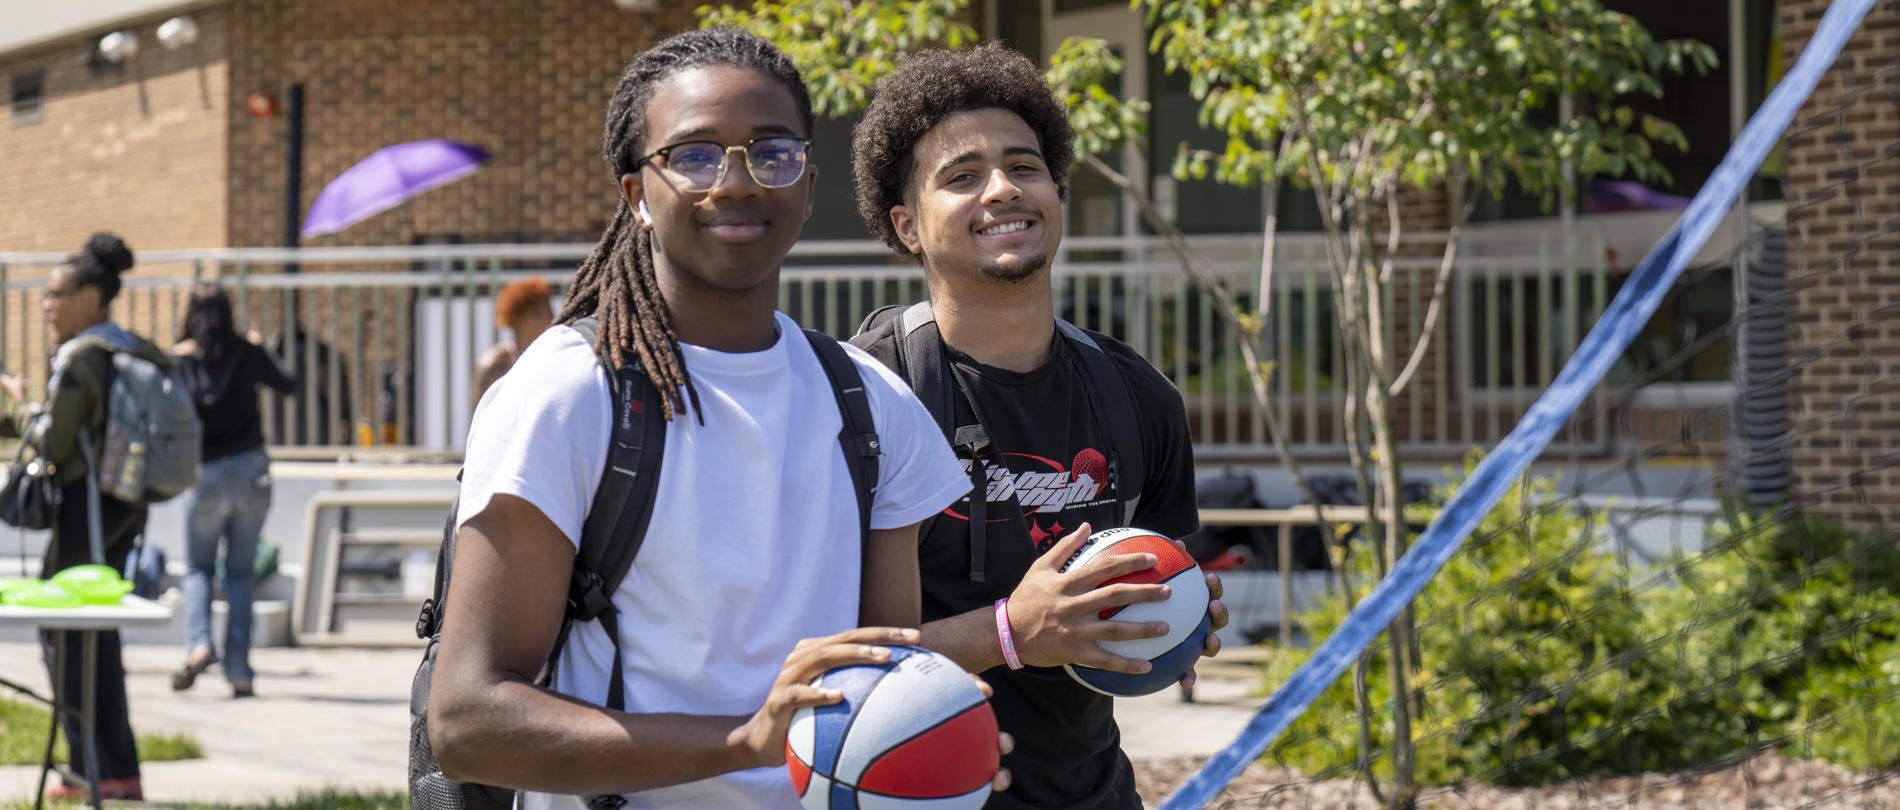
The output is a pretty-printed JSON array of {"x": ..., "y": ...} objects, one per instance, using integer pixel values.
[
  {"x": 94, "y": 584},
  {"x": 41, "y": 593}
]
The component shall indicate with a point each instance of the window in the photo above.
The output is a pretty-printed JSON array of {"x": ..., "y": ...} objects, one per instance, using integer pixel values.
[
  {"x": 1019, "y": 25},
  {"x": 29, "y": 96}
]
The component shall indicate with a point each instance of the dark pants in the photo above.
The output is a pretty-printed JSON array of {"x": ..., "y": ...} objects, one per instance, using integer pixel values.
[{"x": 112, "y": 716}]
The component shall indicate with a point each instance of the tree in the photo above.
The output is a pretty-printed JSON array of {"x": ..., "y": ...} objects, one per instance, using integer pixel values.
[
  {"x": 1353, "y": 99},
  {"x": 1357, "y": 100}
]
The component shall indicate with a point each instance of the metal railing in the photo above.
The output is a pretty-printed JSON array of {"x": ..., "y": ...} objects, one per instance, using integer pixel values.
[{"x": 389, "y": 335}]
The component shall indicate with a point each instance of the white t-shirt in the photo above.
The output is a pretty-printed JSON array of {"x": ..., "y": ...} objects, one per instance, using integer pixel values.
[{"x": 753, "y": 543}]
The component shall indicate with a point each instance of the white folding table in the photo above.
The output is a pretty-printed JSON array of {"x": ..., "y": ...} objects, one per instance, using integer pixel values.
[{"x": 88, "y": 621}]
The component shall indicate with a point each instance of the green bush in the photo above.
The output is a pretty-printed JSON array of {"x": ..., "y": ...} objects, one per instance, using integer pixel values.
[
  {"x": 1534, "y": 666},
  {"x": 1794, "y": 625},
  {"x": 1543, "y": 658}
]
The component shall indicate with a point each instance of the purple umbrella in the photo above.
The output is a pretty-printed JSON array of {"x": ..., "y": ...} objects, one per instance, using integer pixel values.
[
  {"x": 389, "y": 177},
  {"x": 1607, "y": 196}
]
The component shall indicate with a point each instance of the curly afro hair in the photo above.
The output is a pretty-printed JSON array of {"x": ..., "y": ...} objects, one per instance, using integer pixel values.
[{"x": 930, "y": 87}]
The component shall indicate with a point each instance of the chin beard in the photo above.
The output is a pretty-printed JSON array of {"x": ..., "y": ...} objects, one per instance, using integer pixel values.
[{"x": 1016, "y": 270}]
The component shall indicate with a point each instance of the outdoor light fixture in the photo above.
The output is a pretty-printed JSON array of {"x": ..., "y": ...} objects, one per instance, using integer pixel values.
[
  {"x": 118, "y": 46},
  {"x": 177, "y": 32},
  {"x": 641, "y": 6}
]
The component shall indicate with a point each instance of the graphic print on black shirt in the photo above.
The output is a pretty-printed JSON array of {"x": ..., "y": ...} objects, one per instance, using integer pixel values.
[
  {"x": 1047, "y": 473},
  {"x": 1043, "y": 489}
]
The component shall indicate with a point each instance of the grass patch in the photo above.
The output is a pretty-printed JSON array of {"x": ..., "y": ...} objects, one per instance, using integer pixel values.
[
  {"x": 23, "y": 738},
  {"x": 340, "y": 800}
]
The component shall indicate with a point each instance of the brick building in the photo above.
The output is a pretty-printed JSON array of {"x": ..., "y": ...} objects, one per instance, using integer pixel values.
[
  {"x": 1844, "y": 274},
  {"x": 164, "y": 148}
]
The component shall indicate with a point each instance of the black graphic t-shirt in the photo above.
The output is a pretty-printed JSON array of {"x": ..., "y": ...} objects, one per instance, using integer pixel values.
[{"x": 1047, "y": 467}]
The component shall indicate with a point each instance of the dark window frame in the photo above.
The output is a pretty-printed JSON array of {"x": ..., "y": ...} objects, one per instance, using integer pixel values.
[{"x": 27, "y": 96}]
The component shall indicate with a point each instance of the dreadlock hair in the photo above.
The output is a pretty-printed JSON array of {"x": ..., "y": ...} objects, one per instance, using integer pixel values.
[{"x": 616, "y": 282}]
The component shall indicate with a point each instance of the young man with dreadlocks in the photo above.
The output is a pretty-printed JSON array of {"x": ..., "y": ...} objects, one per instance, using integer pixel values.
[
  {"x": 962, "y": 163},
  {"x": 748, "y": 584}
]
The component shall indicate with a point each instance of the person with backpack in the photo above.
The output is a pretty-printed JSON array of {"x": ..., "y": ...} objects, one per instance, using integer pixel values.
[
  {"x": 223, "y": 371},
  {"x": 70, "y": 431},
  {"x": 961, "y": 162},
  {"x": 769, "y": 478}
]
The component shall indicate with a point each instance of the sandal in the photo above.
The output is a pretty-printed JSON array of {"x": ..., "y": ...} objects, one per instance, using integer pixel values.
[{"x": 196, "y": 663}]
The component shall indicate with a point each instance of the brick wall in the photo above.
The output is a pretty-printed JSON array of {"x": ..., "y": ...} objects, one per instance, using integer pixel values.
[
  {"x": 528, "y": 81},
  {"x": 1422, "y": 412},
  {"x": 1844, "y": 274},
  {"x": 138, "y": 149}
]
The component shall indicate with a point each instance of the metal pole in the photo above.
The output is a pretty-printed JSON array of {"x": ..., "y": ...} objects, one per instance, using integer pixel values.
[
  {"x": 1286, "y": 581},
  {"x": 89, "y": 711},
  {"x": 293, "y": 217},
  {"x": 293, "y": 169},
  {"x": 59, "y": 705}
]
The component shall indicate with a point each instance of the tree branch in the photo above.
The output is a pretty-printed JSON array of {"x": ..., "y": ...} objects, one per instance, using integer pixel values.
[
  {"x": 1461, "y": 212},
  {"x": 1208, "y": 285}
]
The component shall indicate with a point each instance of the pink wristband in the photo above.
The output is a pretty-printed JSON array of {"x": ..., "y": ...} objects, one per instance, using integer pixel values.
[{"x": 1003, "y": 634}]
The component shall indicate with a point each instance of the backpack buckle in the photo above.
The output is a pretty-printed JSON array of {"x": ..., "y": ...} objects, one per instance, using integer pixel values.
[
  {"x": 585, "y": 598},
  {"x": 425, "y": 621}
]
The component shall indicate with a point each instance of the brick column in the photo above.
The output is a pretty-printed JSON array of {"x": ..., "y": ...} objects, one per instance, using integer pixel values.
[{"x": 1844, "y": 274}]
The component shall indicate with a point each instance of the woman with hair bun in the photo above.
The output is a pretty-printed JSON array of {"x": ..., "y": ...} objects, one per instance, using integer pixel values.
[{"x": 78, "y": 306}]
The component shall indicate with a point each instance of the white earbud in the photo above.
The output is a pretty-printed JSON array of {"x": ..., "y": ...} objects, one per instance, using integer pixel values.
[{"x": 645, "y": 218}]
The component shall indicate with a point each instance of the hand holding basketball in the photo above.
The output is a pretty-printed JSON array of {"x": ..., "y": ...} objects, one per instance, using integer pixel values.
[
  {"x": 762, "y": 738},
  {"x": 1055, "y": 616},
  {"x": 1217, "y": 611}
]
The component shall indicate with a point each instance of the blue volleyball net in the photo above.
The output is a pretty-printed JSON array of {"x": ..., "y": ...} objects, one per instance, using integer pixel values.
[{"x": 1706, "y": 615}]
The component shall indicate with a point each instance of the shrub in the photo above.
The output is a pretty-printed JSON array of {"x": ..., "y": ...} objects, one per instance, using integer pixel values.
[
  {"x": 1543, "y": 658},
  {"x": 1535, "y": 665},
  {"x": 1795, "y": 624}
]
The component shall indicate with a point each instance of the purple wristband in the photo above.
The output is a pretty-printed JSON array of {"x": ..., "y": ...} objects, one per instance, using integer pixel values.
[{"x": 1003, "y": 634}]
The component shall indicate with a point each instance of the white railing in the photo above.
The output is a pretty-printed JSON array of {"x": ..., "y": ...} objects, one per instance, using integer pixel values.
[{"x": 393, "y": 332}]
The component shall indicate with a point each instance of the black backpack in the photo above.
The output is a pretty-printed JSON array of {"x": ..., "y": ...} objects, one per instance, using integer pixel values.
[
  {"x": 611, "y": 535},
  {"x": 920, "y": 360}
]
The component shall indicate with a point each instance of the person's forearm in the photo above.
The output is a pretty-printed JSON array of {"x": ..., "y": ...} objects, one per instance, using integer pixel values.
[
  {"x": 517, "y": 735},
  {"x": 969, "y": 639}
]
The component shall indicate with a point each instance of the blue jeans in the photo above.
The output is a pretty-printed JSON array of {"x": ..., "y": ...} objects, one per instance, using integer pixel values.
[{"x": 229, "y": 504}]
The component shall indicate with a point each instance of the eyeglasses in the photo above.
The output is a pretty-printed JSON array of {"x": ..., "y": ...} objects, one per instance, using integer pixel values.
[
  {"x": 56, "y": 294},
  {"x": 774, "y": 162}
]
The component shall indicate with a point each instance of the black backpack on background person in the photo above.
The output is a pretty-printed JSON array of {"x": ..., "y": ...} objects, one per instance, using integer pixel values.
[
  {"x": 611, "y": 535},
  {"x": 921, "y": 362}
]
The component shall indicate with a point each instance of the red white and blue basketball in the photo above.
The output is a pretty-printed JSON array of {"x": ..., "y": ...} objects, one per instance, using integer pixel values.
[
  {"x": 1185, "y": 611},
  {"x": 910, "y": 734}
]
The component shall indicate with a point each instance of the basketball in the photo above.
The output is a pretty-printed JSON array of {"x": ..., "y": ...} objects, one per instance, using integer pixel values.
[
  {"x": 1185, "y": 611},
  {"x": 911, "y": 733}
]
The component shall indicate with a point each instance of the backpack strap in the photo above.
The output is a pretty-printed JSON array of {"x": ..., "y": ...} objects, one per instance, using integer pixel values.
[
  {"x": 1109, "y": 392},
  {"x": 920, "y": 358},
  {"x": 622, "y": 508},
  {"x": 858, "y": 436}
]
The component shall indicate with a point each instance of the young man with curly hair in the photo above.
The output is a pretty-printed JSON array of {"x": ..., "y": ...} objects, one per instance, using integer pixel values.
[{"x": 962, "y": 162}]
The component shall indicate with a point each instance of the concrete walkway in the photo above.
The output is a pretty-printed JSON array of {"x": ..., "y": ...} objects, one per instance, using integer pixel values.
[{"x": 339, "y": 719}]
